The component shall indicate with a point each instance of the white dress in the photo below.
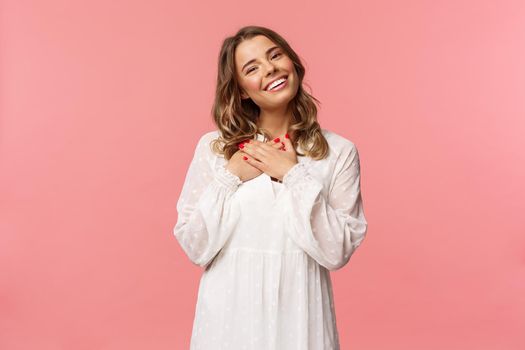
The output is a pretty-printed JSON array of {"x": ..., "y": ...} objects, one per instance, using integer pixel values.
[{"x": 267, "y": 248}]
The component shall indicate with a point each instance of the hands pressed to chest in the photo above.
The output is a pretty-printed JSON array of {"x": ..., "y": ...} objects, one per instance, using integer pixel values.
[{"x": 275, "y": 158}]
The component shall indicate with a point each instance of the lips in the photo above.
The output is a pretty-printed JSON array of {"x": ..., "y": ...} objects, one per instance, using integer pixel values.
[{"x": 282, "y": 76}]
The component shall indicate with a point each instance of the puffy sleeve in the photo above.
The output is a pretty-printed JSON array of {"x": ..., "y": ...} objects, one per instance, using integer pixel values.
[
  {"x": 329, "y": 228},
  {"x": 206, "y": 213}
]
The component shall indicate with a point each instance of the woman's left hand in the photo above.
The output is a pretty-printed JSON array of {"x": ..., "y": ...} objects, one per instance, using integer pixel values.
[{"x": 268, "y": 159}]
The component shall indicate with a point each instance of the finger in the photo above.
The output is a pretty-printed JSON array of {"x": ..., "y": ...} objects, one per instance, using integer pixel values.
[
  {"x": 260, "y": 147},
  {"x": 252, "y": 150},
  {"x": 254, "y": 162},
  {"x": 287, "y": 142},
  {"x": 278, "y": 141},
  {"x": 258, "y": 150},
  {"x": 276, "y": 145},
  {"x": 253, "y": 143}
]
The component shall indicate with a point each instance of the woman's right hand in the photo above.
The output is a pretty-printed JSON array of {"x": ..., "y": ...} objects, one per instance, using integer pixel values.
[{"x": 244, "y": 170}]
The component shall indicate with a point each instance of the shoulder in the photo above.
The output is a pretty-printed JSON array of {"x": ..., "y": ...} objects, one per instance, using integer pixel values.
[
  {"x": 208, "y": 136},
  {"x": 343, "y": 152},
  {"x": 338, "y": 143},
  {"x": 204, "y": 144}
]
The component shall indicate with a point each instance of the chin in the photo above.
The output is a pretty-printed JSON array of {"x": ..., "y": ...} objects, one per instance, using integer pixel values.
[{"x": 282, "y": 96}]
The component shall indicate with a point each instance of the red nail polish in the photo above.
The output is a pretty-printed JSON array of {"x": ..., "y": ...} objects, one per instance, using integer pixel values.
[
  {"x": 241, "y": 146},
  {"x": 276, "y": 140},
  {"x": 248, "y": 141},
  {"x": 244, "y": 157},
  {"x": 287, "y": 136}
]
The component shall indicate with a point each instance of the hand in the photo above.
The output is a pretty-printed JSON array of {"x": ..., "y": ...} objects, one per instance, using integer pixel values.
[
  {"x": 240, "y": 167},
  {"x": 270, "y": 160}
]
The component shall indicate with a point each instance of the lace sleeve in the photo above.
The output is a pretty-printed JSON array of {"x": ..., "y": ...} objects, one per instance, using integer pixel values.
[
  {"x": 328, "y": 229},
  {"x": 206, "y": 213}
]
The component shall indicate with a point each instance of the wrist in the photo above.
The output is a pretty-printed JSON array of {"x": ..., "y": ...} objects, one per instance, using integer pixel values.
[
  {"x": 294, "y": 174},
  {"x": 228, "y": 178},
  {"x": 231, "y": 170},
  {"x": 286, "y": 170}
]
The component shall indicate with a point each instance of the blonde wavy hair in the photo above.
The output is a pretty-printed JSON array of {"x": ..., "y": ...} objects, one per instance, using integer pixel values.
[{"x": 236, "y": 118}]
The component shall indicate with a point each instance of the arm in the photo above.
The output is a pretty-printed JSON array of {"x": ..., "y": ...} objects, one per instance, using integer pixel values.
[
  {"x": 206, "y": 214},
  {"x": 327, "y": 229}
]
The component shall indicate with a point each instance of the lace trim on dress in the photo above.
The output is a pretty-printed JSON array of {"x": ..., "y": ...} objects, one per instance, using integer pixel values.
[
  {"x": 227, "y": 178},
  {"x": 295, "y": 174}
]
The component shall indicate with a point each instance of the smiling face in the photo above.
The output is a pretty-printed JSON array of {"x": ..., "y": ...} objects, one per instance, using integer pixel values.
[{"x": 259, "y": 61}]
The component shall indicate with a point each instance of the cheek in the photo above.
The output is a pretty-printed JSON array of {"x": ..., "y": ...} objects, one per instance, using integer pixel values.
[
  {"x": 253, "y": 84},
  {"x": 286, "y": 63}
]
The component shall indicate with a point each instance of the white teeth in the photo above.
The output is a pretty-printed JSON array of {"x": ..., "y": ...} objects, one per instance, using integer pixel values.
[{"x": 275, "y": 83}]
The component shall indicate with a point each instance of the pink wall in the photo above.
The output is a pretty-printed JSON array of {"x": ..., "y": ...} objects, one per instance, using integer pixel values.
[{"x": 101, "y": 105}]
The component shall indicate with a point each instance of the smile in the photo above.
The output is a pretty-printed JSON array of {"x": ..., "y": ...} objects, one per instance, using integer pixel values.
[{"x": 278, "y": 85}]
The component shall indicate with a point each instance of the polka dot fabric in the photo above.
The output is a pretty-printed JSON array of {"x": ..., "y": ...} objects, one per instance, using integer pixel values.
[{"x": 267, "y": 248}]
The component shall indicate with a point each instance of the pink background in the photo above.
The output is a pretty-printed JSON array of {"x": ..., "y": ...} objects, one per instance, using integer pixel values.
[{"x": 102, "y": 103}]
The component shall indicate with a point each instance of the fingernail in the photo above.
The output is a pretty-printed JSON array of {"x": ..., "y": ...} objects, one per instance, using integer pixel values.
[
  {"x": 276, "y": 140},
  {"x": 287, "y": 136},
  {"x": 244, "y": 157},
  {"x": 248, "y": 141},
  {"x": 241, "y": 145}
]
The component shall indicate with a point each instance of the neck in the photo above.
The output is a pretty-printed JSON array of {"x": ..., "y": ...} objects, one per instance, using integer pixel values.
[{"x": 276, "y": 122}]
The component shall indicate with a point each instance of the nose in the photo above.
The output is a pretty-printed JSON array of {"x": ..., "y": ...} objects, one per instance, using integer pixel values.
[{"x": 270, "y": 68}]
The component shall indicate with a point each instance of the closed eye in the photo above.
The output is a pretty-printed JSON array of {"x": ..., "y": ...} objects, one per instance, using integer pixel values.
[{"x": 252, "y": 68}]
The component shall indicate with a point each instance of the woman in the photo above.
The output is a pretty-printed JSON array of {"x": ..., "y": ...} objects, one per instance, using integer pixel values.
[{"x": 271, "y": 203}]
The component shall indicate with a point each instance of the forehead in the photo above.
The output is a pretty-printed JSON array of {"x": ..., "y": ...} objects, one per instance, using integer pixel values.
[{"x": 252, "y": 48}]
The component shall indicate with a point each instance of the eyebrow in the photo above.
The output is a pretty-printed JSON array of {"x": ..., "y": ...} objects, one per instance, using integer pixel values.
[{"x": 253, "y": 60}]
